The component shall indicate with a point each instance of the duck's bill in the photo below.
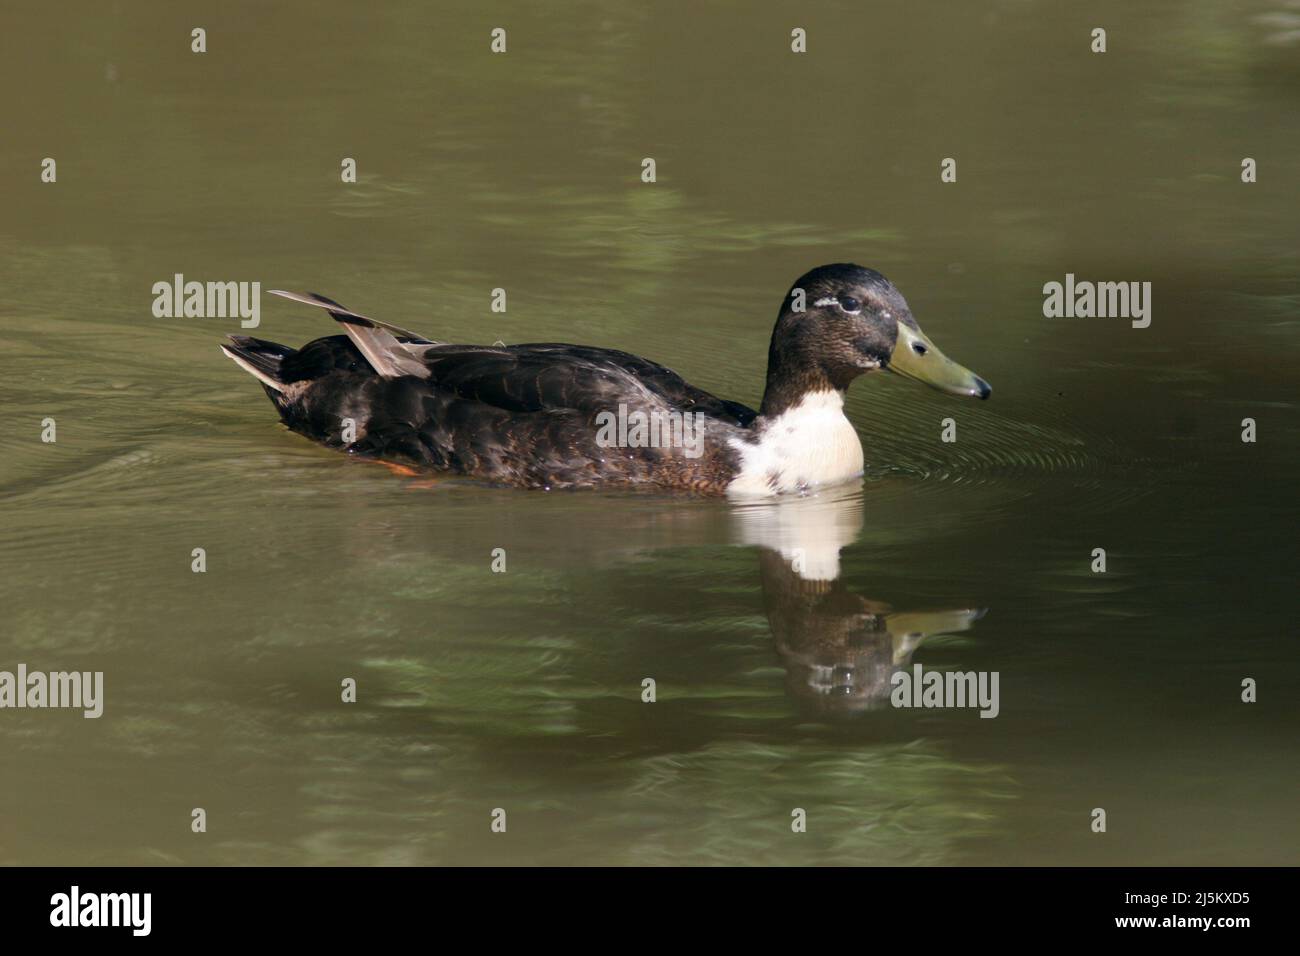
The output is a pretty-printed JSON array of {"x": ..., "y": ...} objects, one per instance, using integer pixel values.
[
  {"x": 916, "y": 357},
  {"x": 909, "y": 628}
]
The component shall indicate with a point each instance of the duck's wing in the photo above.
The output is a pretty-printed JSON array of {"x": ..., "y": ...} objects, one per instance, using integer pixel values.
[
  {"x": 390, "y": 349},
  {"x": 552, "y": 376},
  {"x": 526, "y": 378}
]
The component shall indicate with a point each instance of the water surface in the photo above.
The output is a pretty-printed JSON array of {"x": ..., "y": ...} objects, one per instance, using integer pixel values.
[{"x": 523, "y": 690}]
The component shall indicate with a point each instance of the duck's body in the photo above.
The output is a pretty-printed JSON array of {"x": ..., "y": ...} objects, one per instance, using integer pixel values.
[
  {"x": 521, "y": 415},
  {"x": 559, "y": 416}
]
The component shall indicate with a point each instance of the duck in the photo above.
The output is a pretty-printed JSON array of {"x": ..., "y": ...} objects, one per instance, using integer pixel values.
[{"x": 553, "y": 416}]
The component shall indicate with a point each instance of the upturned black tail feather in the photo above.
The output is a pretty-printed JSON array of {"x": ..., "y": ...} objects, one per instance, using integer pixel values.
[{"x": 260, "y": 355}]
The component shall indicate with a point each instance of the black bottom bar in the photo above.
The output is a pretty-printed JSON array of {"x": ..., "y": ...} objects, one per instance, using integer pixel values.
[{"x": 857, "y": 907}]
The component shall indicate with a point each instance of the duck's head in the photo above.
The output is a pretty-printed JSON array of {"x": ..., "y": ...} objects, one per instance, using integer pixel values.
[{"x": 841, "y": 321}]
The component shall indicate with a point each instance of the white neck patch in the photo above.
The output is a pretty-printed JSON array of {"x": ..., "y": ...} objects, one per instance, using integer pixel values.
[{"x": 805, "y": 447}]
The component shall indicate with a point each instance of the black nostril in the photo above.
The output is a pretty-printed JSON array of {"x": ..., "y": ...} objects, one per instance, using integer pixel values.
[{"x": 919, "y": 349}]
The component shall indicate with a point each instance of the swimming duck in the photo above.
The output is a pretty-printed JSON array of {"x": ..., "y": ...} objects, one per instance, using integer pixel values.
[{"x": 541, "y": 416}]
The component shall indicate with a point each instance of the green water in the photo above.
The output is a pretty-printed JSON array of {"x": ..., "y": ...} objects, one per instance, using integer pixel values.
[{"x": 522, "y": 690}]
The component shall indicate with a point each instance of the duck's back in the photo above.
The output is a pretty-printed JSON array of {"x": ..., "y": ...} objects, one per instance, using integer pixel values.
[{"x": 543, "y": 415}]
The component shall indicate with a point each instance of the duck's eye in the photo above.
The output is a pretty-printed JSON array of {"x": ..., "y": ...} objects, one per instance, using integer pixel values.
[
  {"x": 850, "y": 305},
  {"x": 919, "y": 349}
]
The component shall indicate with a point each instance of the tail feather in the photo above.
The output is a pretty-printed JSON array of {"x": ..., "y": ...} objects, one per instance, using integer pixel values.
[{"x": 258, "y": 358}]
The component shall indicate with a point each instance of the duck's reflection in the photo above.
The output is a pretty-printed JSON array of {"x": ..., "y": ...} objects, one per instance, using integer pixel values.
[{"x": 839, "y": 649}]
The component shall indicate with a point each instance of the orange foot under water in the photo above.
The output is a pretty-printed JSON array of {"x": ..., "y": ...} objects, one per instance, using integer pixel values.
[{"x": 408, "y": 472}]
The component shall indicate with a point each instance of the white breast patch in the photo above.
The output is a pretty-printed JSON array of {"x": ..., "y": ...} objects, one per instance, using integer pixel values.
[{"x": 808, "y": 446}]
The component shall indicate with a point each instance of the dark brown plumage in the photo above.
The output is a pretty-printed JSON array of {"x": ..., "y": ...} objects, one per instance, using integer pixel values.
[{"x": 531, "y": 415}]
